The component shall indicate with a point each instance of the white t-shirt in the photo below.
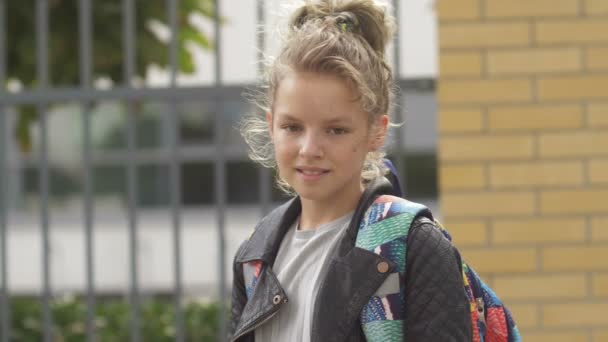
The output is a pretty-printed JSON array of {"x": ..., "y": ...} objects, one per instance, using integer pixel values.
[{"x": 298, "y": 264}]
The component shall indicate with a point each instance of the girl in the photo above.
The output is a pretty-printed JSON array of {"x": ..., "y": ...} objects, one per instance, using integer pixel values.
[{"x": 307, "y": 272}]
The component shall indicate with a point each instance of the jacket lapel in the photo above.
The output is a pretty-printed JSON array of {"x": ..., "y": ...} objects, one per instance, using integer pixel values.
[
  {"x": 263, "y": 246},
  {"x": 349, "y": 283},
  {"x": 261, "y": 306}
]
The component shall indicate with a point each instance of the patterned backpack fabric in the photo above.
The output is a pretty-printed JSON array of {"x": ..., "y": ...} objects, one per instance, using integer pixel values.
[{"x": 385, "y": 234}]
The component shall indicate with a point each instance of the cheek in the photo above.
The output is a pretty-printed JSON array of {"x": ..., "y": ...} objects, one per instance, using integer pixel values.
[
  {"x": 353, "y": 153},
  {"x": 283, "y": 148},
  {"x": 361, "y": 146}
]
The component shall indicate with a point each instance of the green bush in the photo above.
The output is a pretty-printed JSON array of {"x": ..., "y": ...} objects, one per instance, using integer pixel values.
[{"x": 112, "y": 320}]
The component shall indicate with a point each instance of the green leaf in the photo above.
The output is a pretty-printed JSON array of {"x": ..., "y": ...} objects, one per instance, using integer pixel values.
[
  {"x": 200, "y": 39},
  {"x": 107, "y": 45}
]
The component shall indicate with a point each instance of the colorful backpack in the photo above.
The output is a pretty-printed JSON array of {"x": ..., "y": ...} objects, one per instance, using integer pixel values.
[{"x": 491, "y": 320}]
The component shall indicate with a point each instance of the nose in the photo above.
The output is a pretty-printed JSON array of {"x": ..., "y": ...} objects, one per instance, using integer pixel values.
[{"x": 311, "y": 146}]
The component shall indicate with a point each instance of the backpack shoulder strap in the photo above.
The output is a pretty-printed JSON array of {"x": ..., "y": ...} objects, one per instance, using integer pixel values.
[
  {"x": 380, "y": 225},
  {"x": 383, "y": 230}
]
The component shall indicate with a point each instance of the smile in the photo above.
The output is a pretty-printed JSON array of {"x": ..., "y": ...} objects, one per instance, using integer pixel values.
[{"x": 311, "y": 174}]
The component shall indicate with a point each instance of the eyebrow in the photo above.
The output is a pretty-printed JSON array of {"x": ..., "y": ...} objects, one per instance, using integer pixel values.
[
  {"x": 285, "y": 116},
  {"x": 338, "y": 120},
  {"x": 288, "y": 117}
]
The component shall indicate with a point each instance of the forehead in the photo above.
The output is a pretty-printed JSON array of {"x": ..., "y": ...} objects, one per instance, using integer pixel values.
[{"x": 306, "y": 95}]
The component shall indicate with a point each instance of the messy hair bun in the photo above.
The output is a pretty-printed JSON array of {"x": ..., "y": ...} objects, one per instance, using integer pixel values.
[
  {"x": 351, "y": 16},
  {"x": 344, "y": 38}
]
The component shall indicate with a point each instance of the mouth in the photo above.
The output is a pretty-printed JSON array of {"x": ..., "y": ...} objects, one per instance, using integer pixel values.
[{"x": 311, "y": 174}]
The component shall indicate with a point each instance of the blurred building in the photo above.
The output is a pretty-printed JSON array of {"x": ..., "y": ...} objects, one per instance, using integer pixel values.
[{"x": 196, "y": 125}]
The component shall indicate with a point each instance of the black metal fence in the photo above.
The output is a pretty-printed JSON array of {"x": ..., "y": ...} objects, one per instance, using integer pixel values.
[{"x": 44, "y": 94}]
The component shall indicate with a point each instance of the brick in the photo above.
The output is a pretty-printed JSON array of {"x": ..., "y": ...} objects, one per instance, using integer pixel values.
[
  {"x": 600, "y": 285},
  {"x": 484, "y": 34},
  {"x": 575, "y": 258},
  {"x": 538, "y": 230},
  {"x": 598, "y": 171},
  {"x": 454, "y": 64},
  {"x": 494, "y": 260},
  {"x": 460, "y": 120},
  {"x": 486, "y": 277},
  {"x": 596, "y": 7},
  {"x": 530, "y": 8},
  {"x": 486, "y": 148},
  {"x": 576, "y": 144},
  {"x": 597, "y": 57},
  {"x": 598, "y": 115},
  {"x": 575, "y": 315},
  {"x": 470, "y": 176},
  {"x": 485, "y": 91},
  {"x": 600, "y": 336},
  {"x": 534, "y": 117},
  {"x": 583, "y": 201},
  {"x": 575, "y": 31},
  {"x": 546, "y": 173},
  {"x": 541, "y": 287},
  {"x": 487, "y": 204},
  {"x": 562, "y": 336},
  {"x": 599, "y": 228},
  {"x": 467, "y": 232},
  {"x": 573, "y": 87},
  {"x": 455, "y": 10},
  {"x": 526, "y": 315},
  {"x": 538, "y": 60}
]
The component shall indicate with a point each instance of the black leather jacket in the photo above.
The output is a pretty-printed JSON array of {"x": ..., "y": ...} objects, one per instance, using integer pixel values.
[{"x": 436, "y": 304}]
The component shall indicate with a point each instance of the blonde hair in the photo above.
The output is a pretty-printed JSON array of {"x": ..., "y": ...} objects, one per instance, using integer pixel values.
[{"x": 344, "y": 38}]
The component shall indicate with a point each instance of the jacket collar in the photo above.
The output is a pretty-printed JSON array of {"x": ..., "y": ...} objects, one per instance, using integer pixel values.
[
  {"x": 266, "y": 239},
  {"x": 264, "y": 242}
]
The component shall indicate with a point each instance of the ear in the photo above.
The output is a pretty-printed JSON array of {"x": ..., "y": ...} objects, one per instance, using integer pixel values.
[
  {"x": 269, "y": 122},
  {"x": 379, "y": 132}
]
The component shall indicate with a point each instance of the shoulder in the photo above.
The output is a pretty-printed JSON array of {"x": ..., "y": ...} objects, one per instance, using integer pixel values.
[
  {"x": 429, "y": 246},
  {"x": 425, "y": 231}
]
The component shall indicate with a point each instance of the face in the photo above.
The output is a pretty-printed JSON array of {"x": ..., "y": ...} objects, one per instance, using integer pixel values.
[{"x": 321, "y": 136}]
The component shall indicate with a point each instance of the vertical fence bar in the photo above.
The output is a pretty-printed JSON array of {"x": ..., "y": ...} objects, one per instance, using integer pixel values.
[
  {"x": 129, "y": 72},
  {"x": 400, "y": 152},
  {"x": 5, "y": 311},
  {"x": 174, "y": 171},
  {"x": 261, "y": 46},
  {"x": 85, "y": 61},
  {"x": 42, "y": 29},
  {"x": 220, "y": 174}
]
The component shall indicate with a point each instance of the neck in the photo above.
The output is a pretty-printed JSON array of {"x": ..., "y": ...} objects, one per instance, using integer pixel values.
[{"x": 315, "y": 212}]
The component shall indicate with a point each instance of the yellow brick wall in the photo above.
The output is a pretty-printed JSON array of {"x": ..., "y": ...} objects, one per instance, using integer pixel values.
[{"x": 523, "y": 155}]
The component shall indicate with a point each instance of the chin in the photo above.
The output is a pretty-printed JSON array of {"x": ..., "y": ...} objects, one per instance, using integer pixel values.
[{"x": 312, "y": 194}]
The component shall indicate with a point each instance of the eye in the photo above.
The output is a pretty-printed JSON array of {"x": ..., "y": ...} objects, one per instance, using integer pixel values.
[
  {"x": 337, "y": 130},
  {"x": 291, "y": 128}
]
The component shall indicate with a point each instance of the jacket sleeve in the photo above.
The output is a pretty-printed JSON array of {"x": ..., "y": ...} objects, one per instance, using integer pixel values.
[
  {"x": 436, "y": 305},
  {"x": 239, "y": 295}
]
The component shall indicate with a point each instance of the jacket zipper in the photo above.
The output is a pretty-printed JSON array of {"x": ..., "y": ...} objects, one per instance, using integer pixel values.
[
  {"x": 481, "y": 305},
  {"x": 260, "y": 320},
  {"x": 481, "y": 309}
]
